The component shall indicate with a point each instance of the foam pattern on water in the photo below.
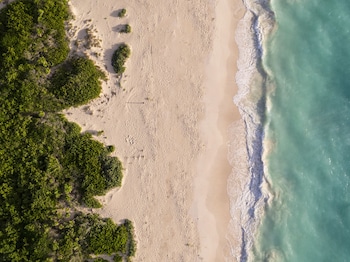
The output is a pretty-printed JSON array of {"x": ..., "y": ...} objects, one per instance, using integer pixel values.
[{"x": 251, "y": 78}]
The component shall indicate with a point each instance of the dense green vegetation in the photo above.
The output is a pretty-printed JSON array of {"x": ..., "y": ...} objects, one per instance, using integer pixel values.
[
  {"x": 119, "y": 58},
  {"x": 47, "y": 167},
  {"x": 76, "y": 81}
]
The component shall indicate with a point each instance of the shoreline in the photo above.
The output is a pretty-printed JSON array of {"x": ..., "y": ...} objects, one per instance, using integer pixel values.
[
  {"x": 251, "y": 99},
  {"x": 165, "y": 182},
  {"x": 213, "y": 168}
]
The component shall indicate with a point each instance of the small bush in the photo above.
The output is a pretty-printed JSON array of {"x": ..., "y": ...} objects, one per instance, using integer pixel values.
[
  {"x": 111, "y": 171},
  {"x": 110, "y": 148},
  {"x": 131, "y": 249},
  {"x": 41, "y": 114},
  {"x": 119, "y": 58},
  {"x": 89, "y": 201},
  {"x": 126, "y": 29},
  {"x": 122, "y": 13}
]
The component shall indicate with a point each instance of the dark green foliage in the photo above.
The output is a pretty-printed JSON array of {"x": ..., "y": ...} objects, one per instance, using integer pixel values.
[
  {"x": 126, "y": 29},
  {"x": 106, "y": 237},
  {"x": 111, "y": 170},
  {"x": 110, "y": 149},
  {"x": 77, "y": 81},
  {"x": 20, "y": 43},
  {"x": 119, "y": 58},
  {"x": 100, "y": 260},
  {"x": 81, "y": 236},
  {"x": 95, "y": 170},
  {"x": 131, "y": 245},
  {"x": 122, "y": 13},
  {"x": 47, "y": 166},
  {"x": 49, "y": 16},
  {"x": 118, "y": 258}
]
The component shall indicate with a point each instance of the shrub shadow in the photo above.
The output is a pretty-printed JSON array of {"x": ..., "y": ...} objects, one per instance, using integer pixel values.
[
  {"x": 119, "y": 28},
  {"x": 115, "y": 13},
  {"x": 82, "y": 34}
]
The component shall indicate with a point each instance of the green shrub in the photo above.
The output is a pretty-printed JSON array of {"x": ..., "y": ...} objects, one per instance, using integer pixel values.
[
  {"x": 111, "y": 171},
  {"x": 41, "y": 114},
  {"x": 119, "y": 58},
  {"x": 77, "y": 81},
  {"x": 110, "y": 148},
  {"x": 107, "y": 238},
  {"x": 126, "y": 29},
  {"x": 118, "y": 258},
  {"x": 90, "y": 201},
  {"x": 122, "y": 13},
  {"x": 131, "y": 250}
]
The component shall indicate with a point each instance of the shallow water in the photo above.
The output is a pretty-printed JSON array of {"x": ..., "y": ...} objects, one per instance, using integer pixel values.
[{"x": 308, "y": 125}]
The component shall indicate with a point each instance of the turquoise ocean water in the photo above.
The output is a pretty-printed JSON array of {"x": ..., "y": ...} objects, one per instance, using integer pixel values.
[{"x": 307, "y": 134}]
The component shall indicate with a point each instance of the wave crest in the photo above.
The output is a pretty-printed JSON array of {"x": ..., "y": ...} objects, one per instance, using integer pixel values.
[{"x": 251, "y": 78}]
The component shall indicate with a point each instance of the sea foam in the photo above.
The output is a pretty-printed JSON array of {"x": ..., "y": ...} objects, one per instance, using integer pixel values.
[{"x": 251, "y": 80}]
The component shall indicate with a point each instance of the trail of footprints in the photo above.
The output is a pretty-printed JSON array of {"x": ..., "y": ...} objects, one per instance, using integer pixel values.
[{"x": 139, "y": 153}]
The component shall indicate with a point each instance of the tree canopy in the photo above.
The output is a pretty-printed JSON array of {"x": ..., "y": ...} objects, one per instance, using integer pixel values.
[{"x": 47, "y": 166}]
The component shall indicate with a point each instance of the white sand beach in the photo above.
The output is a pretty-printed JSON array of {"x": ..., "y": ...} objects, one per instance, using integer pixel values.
[{"x": 169, "y": 121}]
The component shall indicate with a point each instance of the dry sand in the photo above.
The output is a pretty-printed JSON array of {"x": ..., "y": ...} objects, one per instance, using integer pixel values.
[{"x": 169, "y": 120}]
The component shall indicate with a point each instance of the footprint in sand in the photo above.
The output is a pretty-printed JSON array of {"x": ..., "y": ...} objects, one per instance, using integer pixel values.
[{"x": 130, "y": 140}]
